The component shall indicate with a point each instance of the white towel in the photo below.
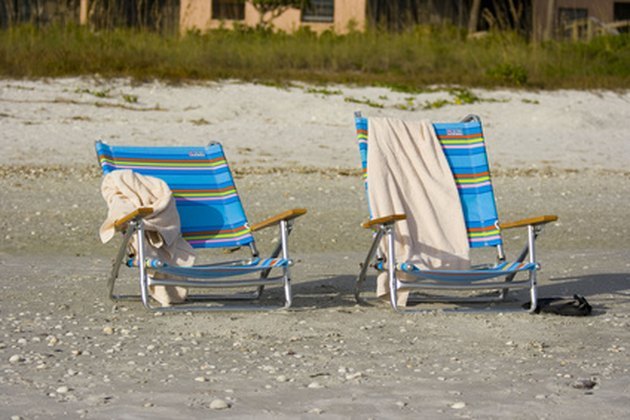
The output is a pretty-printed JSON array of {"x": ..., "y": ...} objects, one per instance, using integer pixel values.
[
  {"x": 408, "y": 173},
  {"x": 125, "y": 191}
]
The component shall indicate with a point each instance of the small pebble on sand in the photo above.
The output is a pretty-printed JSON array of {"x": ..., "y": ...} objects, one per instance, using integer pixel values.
[
  {"x": 219, "y": 404},
  {"x": 16, "y": 358}
]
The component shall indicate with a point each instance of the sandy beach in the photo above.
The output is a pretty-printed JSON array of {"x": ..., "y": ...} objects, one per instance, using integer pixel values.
[{"x": 67, "y": 351}]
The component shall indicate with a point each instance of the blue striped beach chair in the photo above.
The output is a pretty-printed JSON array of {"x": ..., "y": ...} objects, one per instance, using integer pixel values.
[
  {"x": 464, "y": 147},
  {"x": 212, "y": 216}
]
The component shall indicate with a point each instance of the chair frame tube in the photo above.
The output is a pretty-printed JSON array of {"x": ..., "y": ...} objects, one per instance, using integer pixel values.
[
  {"x": 391, "y": 267},
  {"x": 531, "y": 240},
  {"x": 366, "y": 264}
]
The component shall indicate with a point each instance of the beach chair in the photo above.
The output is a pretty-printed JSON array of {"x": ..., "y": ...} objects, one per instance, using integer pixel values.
[
  {"x": 464, "y": 148},
  {"x": 212, "y": 216}
]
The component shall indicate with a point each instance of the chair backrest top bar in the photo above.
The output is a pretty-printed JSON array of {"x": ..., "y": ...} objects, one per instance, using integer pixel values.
[
  {"x": 464, "y": 146},
  {"x": 210, "y": 210}
]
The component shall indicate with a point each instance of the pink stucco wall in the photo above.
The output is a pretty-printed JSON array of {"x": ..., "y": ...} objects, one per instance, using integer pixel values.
[{"x": 197, "y": 14}]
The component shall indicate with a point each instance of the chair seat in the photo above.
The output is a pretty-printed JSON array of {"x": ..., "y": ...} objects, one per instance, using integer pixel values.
[
  {"x": 502, "y": 269},
  {"x": 220, "y": 270}
]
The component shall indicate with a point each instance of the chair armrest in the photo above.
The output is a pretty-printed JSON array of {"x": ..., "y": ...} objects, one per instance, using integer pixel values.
[
  {"x": 383, "y": 220},
  {"x": 540, "y": 220},
  {"x": 286, "y": 215},
  {"x": 139, "y": 212}
]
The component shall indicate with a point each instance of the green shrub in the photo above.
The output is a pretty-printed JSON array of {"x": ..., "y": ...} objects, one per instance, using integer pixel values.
[
  {"x": 410, "y": 61},
  {"x": 510, "y": 74}
]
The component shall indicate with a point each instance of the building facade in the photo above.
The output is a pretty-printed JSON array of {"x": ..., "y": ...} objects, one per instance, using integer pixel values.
[
  {"x": 553, "y": 18},
  {"x": 537, "y": 19},
  {"x": 337, "y": 15}
]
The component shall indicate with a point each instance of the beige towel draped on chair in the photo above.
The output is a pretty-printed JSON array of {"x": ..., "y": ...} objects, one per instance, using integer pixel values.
[
  {"x": 125, "y": 191},
  {"x": 409, "y": 174}
]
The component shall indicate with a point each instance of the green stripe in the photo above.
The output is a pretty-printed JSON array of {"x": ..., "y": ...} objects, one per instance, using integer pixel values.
[
  {"x": 220, "y": 236},
  {"x": 174, "y": 165},
  {"x": 472, "y": 180},
  {"x": 483, "y": 234},
  {"x": 458, "y": 141},
  {"x": 218, "y": 194}
]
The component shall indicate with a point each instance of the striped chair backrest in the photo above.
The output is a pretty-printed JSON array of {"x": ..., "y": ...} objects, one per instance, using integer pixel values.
[
  {"x": 210, "y": 210},
  {"x": 465, "y": 149}
]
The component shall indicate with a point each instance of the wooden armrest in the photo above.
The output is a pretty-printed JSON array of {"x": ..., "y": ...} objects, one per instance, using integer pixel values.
[
  {"x": 383, "y": 220},
  {"x": 286, "y": 215},
  {"x": 139, "y": 212},
  {"x": 540, "y": 220}
]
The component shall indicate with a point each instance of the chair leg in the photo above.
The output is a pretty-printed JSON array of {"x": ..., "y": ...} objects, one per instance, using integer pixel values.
[
  {"x": 122, "y": 251},
  {"x": 532, "y": 233},
  {"x": 284, "y": 237},
  {"x": 144, "y": 276},
  {"x": 288, "y": 299},
  {"x": 391, "y": 268},
  {"x": 288, "y": 227},
  {"x": 365, "y": 265}
]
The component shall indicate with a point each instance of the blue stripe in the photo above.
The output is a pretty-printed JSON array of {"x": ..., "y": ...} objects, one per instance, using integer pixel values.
[
  {"x": 184, "y": 202},
  {"x": 478, "y": 203},
  {"x": 214, "y": 271},
  {"x": 222, "y": 213},
  {"x": 466, "y": 275}
]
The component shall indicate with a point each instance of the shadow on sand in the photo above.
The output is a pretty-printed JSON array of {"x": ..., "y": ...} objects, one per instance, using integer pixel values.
[{"x": 338, "y": 291}]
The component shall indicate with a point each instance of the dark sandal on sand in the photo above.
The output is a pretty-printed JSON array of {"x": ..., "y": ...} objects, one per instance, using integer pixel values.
[{"x": 576, "y": 306}]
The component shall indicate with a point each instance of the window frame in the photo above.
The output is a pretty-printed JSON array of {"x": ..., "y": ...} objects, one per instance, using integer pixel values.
[
  {"x": 228, "y": 10},
  {"x": 312, "y": 13}
]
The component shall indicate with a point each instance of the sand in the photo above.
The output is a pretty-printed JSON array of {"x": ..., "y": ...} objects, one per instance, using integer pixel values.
[{"x": 66, "y": 350}]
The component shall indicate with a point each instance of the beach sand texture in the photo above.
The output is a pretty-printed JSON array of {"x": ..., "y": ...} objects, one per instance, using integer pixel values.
[{"x": 66, "y": 350}]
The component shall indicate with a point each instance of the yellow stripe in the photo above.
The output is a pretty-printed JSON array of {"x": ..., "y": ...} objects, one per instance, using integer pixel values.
[
  {"x": 483, "y": 234},
  {"x": 220, "y": 194},
  {"x": 472, "y": 180},
  {"x": 458, "y": 141},
  {"x": 222, "y": 236}
]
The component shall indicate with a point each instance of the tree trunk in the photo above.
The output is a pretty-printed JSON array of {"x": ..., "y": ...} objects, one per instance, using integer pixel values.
[
  {"x": 83, "y": 13},
  {"x": 550, "y": 22},
  {"x": 474, "y": 16}
]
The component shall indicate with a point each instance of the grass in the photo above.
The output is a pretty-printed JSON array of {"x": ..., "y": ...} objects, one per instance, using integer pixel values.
[{"x": 409, "y": 61}]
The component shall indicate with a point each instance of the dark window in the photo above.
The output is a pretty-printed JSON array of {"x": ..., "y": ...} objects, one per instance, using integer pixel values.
[
  {"x": 228, "y": 9},
  {"x": 621, "y": 11},
  {"x": 567, "y": 15},
  {"x": 319, "y": 11}
]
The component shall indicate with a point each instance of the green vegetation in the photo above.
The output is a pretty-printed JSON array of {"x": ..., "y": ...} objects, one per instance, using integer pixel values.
[
  {"x": 364, "y": 101},
  {"x": 323, "y": 91},
  {"x": 458, "y": 97},
  {"x": 98, "y": 93},
  {"x": 408, "y": 61}
]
